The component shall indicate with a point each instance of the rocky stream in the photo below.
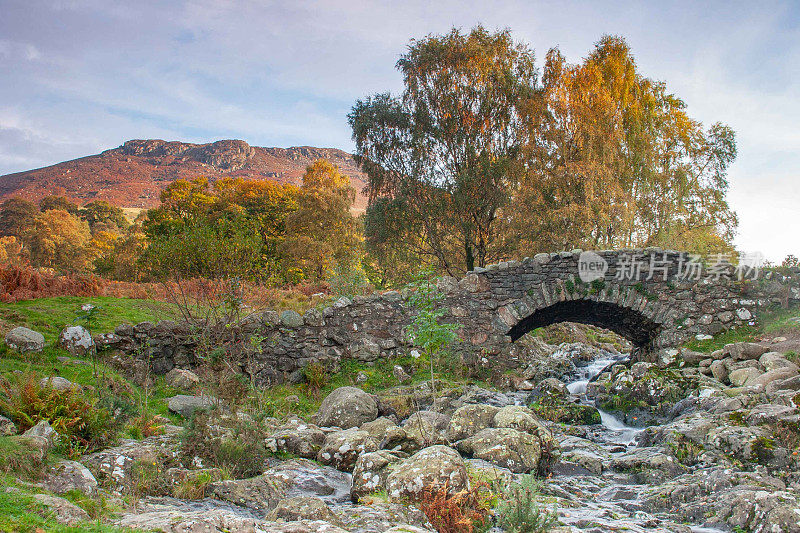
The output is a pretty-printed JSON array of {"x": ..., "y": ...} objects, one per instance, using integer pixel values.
[{"x": 693, "y": 442}]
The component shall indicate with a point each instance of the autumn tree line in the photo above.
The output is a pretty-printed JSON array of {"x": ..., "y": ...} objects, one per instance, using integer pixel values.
[{"x": 485, "y": 155}]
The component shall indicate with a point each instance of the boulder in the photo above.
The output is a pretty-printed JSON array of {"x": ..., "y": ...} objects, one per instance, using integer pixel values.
[
  {"x": 218, "y": 520},
  {"x": 694, "y": 358},
  {"x": 779, "y": 374},
  {"x": 182, "y": 379},
  {"x": 303, "y": 508},
  {"x": 169, "y": 515},
  {"x": 44, "y": 431},
  {"x": 347, "y": 407},
  {"x": 789, "y": 384},
  {"x": 438, "y": 420},
  {"x": 774, "y": 360},
  {"x": 342, "y": 448},
  {"x": 509, "y": 448},
  {"x": 428, "y": 468},
  {"x": 291, "y": 319},
  {"x": 552, "y": 386},
  {"x": 297, "y": 438},
  {"x": 588, "y": 460},
  {"x": 719, "y": 369},
  {"x": 76, "y": 340},
  {"x": 519, "y": 418},
  {"x": 65, "y": 476},
  {"x": 186, "y": 405},
  {"x": 58, "y": 383},
  {"x": 744, "y": 350},
  {"x": 7, "y": 427},
  {"x": 113, "y": 467},
  {"x": 64, "y": 511},
  {"x": 378, "y": 427},
  {"x": 371, "y": 471},
  {"x": 308, "y": 478},
  {"x": 742, "y": 376},
  {"x": 260, "y": 494},
  {"x": 378, "y": 516},
  {"x": 419, "y": 430},
  {"x": 24, "y": 340},
  {"x": 470, "y": 419},
  {"x": 648, "y": 465}
]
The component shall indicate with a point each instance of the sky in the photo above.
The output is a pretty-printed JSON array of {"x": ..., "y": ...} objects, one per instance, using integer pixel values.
[{"x": 81, "y": 76}]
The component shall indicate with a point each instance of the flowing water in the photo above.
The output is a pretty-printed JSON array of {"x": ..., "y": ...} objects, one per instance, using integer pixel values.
[
  {"x": 617, "y": 430},
  {"x": 609, "y": 501}
]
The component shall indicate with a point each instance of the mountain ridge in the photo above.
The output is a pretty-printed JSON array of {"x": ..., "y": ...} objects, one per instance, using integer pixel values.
[{"x": 133, "y": 174}]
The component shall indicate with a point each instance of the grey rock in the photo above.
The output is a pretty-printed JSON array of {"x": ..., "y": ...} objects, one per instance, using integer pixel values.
[
  {"x": 380, "y": 517},
  {"x": 64, "y": 511},
  {"x": 182, "y": 379},
  {"x": 291, "y": 319},
  {"x": 303, "y": 508},
  {"x": 43, "y": 430},
  {"x": 7, "y": 427},
  {"x": 65, "y": 476},
  {"x": 470, "y": 419},
  {"x": 261, "y": 493},
  {"x": 347, "y": 407},
  {"x": 76, "y": 340},
  {"x": 297, "y": 438},
  {"x": 505, "y": 447},
  {"x": 742, "y": 376},
  {"x": 58, "y": 383},
  {"x": 774, "y": 360},
  {"x": 745, "y": 350},
  {"x": 377, "y": 428},
  {"x": 370, "y": 472},
  {"x": 341, "y": 449},
  {"x": 186, "y": 405},
  {"x": 25, "y": 340},
  {"x": 720, "y": 370},
  {"x": 436, "y": 465},
  {"x": 309, "y": 478}
]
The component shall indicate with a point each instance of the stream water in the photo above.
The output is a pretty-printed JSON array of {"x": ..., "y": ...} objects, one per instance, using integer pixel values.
[
  {"x": 617, "y": 430},
  {"x": 608, "y": 501}
]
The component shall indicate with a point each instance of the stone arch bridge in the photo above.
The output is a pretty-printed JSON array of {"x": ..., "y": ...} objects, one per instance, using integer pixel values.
[{"x": 494, "y": 307}]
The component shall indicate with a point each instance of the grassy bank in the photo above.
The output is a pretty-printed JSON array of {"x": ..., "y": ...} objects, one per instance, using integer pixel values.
[{"x": 49, "y": 316}]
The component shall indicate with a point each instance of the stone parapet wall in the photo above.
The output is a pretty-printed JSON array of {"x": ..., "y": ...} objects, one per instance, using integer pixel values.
[{"x": 494, "y": 306}]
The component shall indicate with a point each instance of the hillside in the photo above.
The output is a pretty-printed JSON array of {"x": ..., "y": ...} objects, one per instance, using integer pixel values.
[{"x": 134, "y": 174}]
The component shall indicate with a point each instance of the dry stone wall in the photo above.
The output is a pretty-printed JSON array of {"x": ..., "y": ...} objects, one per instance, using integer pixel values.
[{"x": 494, "y": 307}]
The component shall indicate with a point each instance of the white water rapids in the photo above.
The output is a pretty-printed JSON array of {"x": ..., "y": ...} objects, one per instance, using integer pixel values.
[{"x": 620, "y": 432}]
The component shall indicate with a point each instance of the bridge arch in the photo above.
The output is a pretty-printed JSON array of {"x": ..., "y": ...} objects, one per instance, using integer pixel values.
[{"x": 633, "y": 325}]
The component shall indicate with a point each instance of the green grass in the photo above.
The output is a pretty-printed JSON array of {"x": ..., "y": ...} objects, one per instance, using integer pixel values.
[
  {"x": 48, "y": 316},
  {"x": 769, "y": 322},
  {"x": 20, "y": 512},
  {"x": 16, "y": 457},
  {"x": 740, "y": 334}
]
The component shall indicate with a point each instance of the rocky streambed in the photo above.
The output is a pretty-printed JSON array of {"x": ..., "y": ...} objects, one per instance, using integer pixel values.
[{"x": 692, "y": 443}]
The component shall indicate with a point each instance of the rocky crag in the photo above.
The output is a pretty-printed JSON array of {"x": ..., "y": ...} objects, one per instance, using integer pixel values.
[{"x": 133, "y": 174}]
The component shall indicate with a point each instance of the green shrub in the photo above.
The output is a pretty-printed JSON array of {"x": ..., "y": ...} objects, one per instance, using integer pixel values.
[
  {"x": 685, "y": 450},
  {"x": 520, "y": 512},
  {"x": 559, "y": 410},
  {"x": 74, "y": 413},
  {"x": 317, "y": 377},
  {"x": 243, "y": 454},
  {"x": 194, "y": 485}
]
